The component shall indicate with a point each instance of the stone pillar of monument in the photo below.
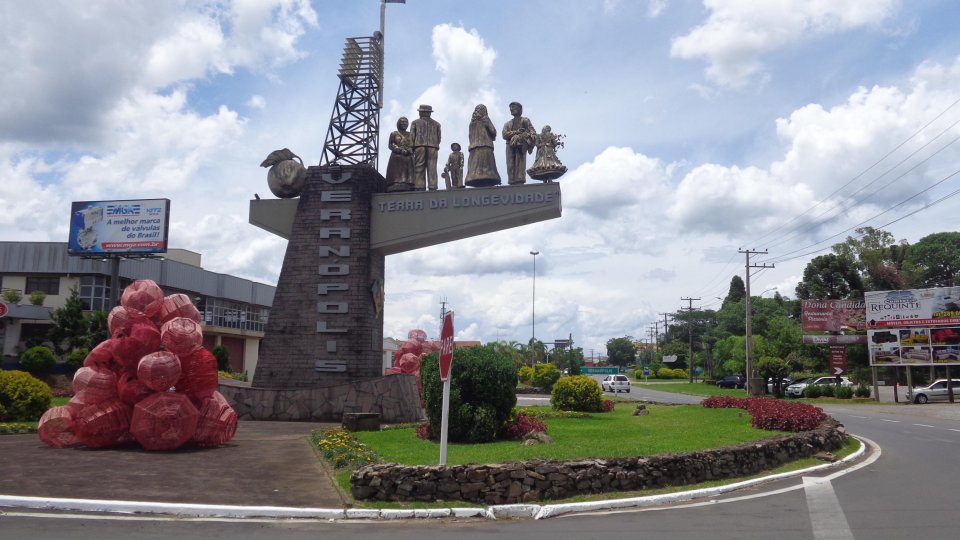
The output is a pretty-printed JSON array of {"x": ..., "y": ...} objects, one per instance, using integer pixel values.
[{"x": 326, "y": 323}]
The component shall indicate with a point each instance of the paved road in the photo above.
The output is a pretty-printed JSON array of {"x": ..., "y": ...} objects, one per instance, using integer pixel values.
[{"x": 907, "y": 491}]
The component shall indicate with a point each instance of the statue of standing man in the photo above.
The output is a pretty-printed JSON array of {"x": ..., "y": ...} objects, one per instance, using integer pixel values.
[
  {"x": 520, "y": 138},
  {"x": 425, "y": 132}
]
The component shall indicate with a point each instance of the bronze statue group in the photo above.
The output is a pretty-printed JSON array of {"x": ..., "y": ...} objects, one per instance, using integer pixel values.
[{"x": 413, "y": 153}]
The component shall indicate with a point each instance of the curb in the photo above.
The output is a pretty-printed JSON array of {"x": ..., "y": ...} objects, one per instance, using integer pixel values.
[{"x": 504, "y": 511}]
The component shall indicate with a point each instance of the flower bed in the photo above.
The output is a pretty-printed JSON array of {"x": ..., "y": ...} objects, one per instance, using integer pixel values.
[{"x": 772, "y": 414}]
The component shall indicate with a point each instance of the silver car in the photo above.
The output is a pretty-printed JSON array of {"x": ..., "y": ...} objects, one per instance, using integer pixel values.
[
  {"x": 937, "y": 390},
  {"x": 615, "y": 383},
  {"x": 796, "y": 389}
]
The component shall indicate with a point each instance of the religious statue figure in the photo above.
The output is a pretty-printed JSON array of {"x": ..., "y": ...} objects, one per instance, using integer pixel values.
[
  {"x": 546, "y": 166},
  {"x": 453, "y": 170},
  {"x": 400, "y": 167},
  {"x": 520, "y": 138},
  {"x": 481, "y": 165},
  {"x": 426, "y": 143}
]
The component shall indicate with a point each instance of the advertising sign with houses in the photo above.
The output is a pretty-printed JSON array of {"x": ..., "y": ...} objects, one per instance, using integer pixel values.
[{"x": 913, "y": 307}]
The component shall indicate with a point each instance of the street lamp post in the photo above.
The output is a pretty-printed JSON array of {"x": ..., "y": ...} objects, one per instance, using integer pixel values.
[{"x": 533, "y": 315}]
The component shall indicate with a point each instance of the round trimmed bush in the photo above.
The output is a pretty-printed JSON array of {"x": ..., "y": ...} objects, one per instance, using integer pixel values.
[
  {"x": 577, "y": 393},
  {"x": 828, "y": 390},
  {"x": 37, "y": 360},
  {"x": 482, "y": 393},
  {"x": 545, "y": 375},
  {"x": 75, "y": 359},
  {"x": 844, "y": 392},
  {"x": 813, "y": 391},
  {"x": 862, "y": 391},
  {"x": 525, "y": 374},
  {"x": 23, "y": 397}
]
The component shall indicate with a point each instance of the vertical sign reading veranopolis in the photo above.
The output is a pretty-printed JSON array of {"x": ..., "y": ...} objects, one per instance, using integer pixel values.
[{"x": 328, "y": 306}]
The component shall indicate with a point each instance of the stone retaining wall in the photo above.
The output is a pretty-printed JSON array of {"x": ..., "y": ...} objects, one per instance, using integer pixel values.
[
  {"x": 394, "y": 397},
  {"x": 522, "y": 482}
]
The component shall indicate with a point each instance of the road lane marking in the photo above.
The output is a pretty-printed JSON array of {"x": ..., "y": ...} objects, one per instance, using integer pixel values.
[
  {"x": 951, "y": 429},
  {"x": 925, "y": 425},
  {"x": 891, "y": 421},
  {"x": 826, "y": 517},
  {"x": 863, "y": 417}
]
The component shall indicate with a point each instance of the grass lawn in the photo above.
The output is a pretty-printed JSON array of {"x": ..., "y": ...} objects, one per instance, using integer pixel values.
[
  {"x": 614, "y": 434},
  {"x": 666, "y": 429},
  {"x": 695, "y": 389}
]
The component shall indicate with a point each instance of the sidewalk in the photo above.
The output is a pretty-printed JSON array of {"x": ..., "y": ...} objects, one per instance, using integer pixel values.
[{"x": 266, "y": 464}]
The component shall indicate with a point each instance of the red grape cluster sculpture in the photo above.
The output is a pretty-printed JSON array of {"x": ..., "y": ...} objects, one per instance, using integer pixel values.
[{"x": 152, "y": 381}]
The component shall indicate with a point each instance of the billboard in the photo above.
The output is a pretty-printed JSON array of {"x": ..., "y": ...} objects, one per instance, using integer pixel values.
[
  {"x": 914, "y": 346},
  {"x": 130, "y": 226},
  {"x": 913, "y": 307},
  {"x": 833, "y": 322}
]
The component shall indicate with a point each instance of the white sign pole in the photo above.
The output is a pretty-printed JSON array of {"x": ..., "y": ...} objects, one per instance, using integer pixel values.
[{"x": 444, "y": 417}]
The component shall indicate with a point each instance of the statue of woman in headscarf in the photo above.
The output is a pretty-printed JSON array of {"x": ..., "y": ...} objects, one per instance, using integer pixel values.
[
  {"x": 399, "y": 175},
  {"x": 481, "y": 164}
]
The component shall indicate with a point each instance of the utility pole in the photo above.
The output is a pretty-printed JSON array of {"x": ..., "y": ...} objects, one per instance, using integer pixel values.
[
  {"x": 665, "y": 315},
  {"x": 749, "y": 315},
  {"x": 689, "y": 311}
]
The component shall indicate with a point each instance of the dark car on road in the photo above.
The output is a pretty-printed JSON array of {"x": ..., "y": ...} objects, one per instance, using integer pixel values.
[{"x": 732, "y": 381}]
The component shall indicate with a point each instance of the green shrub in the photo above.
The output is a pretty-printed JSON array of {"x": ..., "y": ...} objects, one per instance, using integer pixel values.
[
  {"x": 242, "y": 376},
  {"x": 669, "y": 373},
  {"x": 545, "y": 375},
  {"x": 23, "y": 398},
  {"x": 37, "y": 298},
  {"x": 638, "y": 375},
  {"x": 222, "y": 354},
  {"x": 75, "y": 359},
  {"x": 482, "y": 393},
  {"x": 525, "y": 374},
  {"x": 37, "y": 360},
  {"x": 827, "y": 390},
  {"x": 813, "y": 391},
  {"x": 844, "y": 392},
  {"x": 577, "y": 393},
  {"x": 862, "y": 391},
  {"x": 12, "y": 296}
]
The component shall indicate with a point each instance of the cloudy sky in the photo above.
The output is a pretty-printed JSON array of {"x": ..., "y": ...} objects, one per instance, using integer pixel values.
[{"x": 693, "y": 129}]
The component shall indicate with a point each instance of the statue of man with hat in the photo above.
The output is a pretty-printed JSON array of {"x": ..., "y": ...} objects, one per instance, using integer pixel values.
[{"x": 425, "y": 132}]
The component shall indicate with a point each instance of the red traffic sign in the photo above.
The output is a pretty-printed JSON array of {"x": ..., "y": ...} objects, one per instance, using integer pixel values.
[
  {"x": 4, "y": 309},
  {"x": 446, "y": 346}
]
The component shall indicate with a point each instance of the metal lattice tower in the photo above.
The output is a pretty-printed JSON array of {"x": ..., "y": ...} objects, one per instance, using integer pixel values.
[{"x": 353, "y": 135}]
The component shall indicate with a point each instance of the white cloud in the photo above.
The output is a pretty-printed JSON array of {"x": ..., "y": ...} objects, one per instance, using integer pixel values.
[
  {"x": 257, "y": 102},
  {"x": 738, "y": 33}
]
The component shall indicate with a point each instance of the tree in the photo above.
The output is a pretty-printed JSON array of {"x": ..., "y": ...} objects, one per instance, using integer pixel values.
[
  {"x": 934, "y": 261},
  {"x": 771, "y": 367},
  {"x": 830, "y": 276},
  {"x": 69, "y": 325},
  {"x": 737, "y": 291},
  {"x": 620, "y": 351},
  {"x": 878, "y": 257}
]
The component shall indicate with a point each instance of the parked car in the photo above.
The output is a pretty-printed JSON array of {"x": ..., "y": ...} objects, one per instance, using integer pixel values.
[
  {"x": 936, "y": 391},
  {"x": 615, "y": 383},
  {"x": 787, "y": 381},
  {"x": 796, "y": 389},
  {"x": 732, "y": 381}
]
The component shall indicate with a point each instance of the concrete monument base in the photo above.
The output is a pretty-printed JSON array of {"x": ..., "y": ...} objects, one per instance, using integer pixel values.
[{"x": 394, "y": 397}]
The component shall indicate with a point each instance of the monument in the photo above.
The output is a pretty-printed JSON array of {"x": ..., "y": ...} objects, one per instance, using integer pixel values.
[{"x": 321, "y": 356}]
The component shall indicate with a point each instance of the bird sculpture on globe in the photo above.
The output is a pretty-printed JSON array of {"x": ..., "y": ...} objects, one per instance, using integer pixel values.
[{"x": 286, "y": 175}]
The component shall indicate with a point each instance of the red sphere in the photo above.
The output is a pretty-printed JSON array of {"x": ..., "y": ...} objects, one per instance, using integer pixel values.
[
  {"x": 164, "y": 421},
  {"x": 140, "y": 340},
  {"x": 198, "y": 377},
  {"x": 217, "y": 422},
  {"x": 101, "y": 356},
  {"x": 131, "y": 390},
  {"x": 121, "y": 319},
  {"x": 56, "y": 428},
  {"x": 159, "y": 371},
  {"x": 177, "y": 305},
  {"x": 92, "y": 386},
  {"x": 103, "y": 424},
  {"x": 142, "y": 296},
  {"x": 181, "y": 335}
]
